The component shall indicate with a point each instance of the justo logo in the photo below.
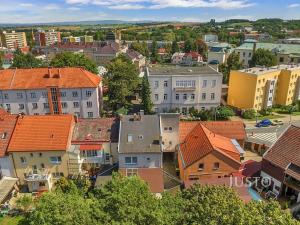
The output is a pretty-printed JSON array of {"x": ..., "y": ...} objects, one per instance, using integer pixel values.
[{"x": 250, "y": 181}]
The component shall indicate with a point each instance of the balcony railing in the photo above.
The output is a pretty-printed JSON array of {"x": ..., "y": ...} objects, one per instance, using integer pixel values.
[
  {"x": 37, "y": 175},
  {"x": 292, "y": 183}
]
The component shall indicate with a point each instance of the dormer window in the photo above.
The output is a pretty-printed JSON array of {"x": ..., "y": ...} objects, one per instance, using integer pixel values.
[
  {"x": 129, "y": 138},
  {"x": 201, "y": 167},
  {"x": 4, "y": 135}
]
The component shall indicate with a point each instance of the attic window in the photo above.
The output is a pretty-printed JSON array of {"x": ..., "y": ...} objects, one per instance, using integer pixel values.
[
  {"x": 129, "y": 137},
  {"x": 4, "y": 135}
]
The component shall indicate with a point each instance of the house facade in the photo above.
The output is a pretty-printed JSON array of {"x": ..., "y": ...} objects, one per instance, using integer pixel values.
[
  {"x": 182, "y": 88},
  {"x": 43, "y": 91}
]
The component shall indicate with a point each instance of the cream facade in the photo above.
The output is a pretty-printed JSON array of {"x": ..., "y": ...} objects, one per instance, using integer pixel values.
[{"x": 13, "y": 39}]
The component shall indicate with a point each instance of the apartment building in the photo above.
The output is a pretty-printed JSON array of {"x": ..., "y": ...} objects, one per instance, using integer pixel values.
[
  {"x": 13, "y": 39},
  {"x": 39, "y": 150},
  {"x": 140, "y": 149},
  {"x": 181, "y": 88},
  {"x": 42, "y": 91},
  {"x": 285, "y": 53},
  {"x": 46, "y": 38},
  {"x": 218, "y": 52},
  {"x": 83, "y": 39},
  {"x": 259, "y": 88}
]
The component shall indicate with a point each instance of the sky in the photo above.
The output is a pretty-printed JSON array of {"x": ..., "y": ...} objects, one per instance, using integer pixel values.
[{"x": 35, "y": 11}]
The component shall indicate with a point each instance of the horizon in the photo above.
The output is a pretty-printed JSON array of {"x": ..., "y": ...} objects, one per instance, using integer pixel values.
[{"x": 59, "y": 11}]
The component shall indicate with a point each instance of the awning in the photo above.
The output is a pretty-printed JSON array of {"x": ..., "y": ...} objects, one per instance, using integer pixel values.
[{"x": 90, "y": 147}]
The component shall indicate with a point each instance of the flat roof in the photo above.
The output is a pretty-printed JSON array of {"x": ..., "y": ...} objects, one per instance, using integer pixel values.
[
  {"x": 264, "y": 70},
  {"x": 182, "y": 70}
]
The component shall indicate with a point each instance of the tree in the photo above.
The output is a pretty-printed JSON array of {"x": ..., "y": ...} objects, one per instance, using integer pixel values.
[
  {"x": 154, "y": 52},
  {"x": 122, "y": 80},
  {"x": 175, "y": 47},
  {"x": 24, "y": 203},
  {"x": 69, "y": 59},
  {"x": 188, "y": 46},
  {"x": 224, "y": 113},
  {"x": 201, "y": 47},
  {"x": 22, "y": 60},
  {"x": 141, "y": 48},
  {"x": 146, "y": 96},
  {"x": 1, "y": 59},
  {"x": 263, "y": 57},
  {"x": 232, "y": 63}
]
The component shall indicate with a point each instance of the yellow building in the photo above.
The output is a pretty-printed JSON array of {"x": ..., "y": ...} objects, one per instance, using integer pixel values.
[
  {"x": 40, "y": 150},
  {"x": 13, "y": 39},
  {"x": 259, "y": 87}
]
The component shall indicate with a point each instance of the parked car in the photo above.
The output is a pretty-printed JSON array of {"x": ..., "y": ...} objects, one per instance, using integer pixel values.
[
  {"x": 264, "y": 123},
  {"x": 277, "y": 122}
]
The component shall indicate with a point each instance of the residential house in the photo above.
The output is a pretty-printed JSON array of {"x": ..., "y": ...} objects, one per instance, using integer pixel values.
[
  {"x": 137, "y": 59},
  {"x": 182, "y": 88},
  {"x": 191, "y": 58},
  {"x": 94, "y": 143},
  {"x": 40, "y": 91},
  {"x": 210, "y": 38},
  {"x": 263, "y": 87},
  {"x": 13, "y": 39},
  {"x": 204, "y": 154},
  {"x": 39, "y": 148},
  {"x": 281, "y": 164},
  {"x": 177, "y": 58},
  {"x": 218, "y": 53},
  {"x": 169, "y": 129},
  {"x": 140, "y": 149},
  {"x": 46, "y": 38}
]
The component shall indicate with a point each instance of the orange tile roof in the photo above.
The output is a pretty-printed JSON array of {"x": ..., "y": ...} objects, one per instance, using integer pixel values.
[
  {"x": 40, "y": 78},
  {"x": 42, "y": 133},
  {"x": 229, "y": 129},
  {"x": 152, "y": 176},
  {"x": 201, "y": 141},
  {"x": 7, "y": 125}
]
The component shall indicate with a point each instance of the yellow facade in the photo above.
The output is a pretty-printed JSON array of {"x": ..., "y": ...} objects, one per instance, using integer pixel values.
[
  {"x": 259, "y": 88},
  {"x": 40, "y": 163}
]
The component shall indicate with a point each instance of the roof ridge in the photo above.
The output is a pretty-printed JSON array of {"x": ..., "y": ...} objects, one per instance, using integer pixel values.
[{"x": 88, "y": 74}]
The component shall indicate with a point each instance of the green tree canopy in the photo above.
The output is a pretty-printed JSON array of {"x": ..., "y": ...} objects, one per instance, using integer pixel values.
[
  {"x": 189, "y": 46},
  {"x": 24, "y": 61},
  {"x": 232, "y": 63},
  {"x": 69, "y": 59},
  {"x": 175, "y": 47},
  {"x": 122, "y": 81},
  {"x": 263, "y": 57},
  {"x": 140, "y": 47},
  {"x": 146, "y": 96}
]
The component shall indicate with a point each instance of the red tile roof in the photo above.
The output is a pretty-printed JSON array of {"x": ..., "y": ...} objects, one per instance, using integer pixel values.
[
  {"x": 286, "y": 149},
  {"x": 42, "y": 133},
  {"x": 201, "y": 141},
  {"x": 152, "y": 176},
  {"x": 40, "y": 78},
  {"x": 7, "y": 125},
  {"x": 229, "y": 129}
]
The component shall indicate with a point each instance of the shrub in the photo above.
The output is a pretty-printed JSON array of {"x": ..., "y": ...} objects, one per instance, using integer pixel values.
[{"x": 249, "y": 114}]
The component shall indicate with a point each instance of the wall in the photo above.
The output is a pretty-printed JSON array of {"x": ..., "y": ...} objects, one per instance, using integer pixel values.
[
  {"x": 6, "y": 167},
  {"x": 145, "y": 160}
]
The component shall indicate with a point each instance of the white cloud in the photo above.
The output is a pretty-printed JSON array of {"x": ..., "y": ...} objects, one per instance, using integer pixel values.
[
  {"x": 158, "y": 4},
  {"x": 26, "y": 5},
  {"x": 74, "y": 8},
  {"x": 51, "y": 7},
  {"x": 296, "y": 5}
]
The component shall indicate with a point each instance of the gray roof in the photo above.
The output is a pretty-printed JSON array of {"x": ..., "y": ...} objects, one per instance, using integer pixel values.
[
  {"x": 182, "y": 70},
  {"x": 145, "y": 134}
]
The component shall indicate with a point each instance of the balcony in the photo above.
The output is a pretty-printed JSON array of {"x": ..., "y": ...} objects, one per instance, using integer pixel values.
[
  {"x": 184, "y": 89},
  {"x": 292, "y": 183},
  {"x": 37, "y": 175}
]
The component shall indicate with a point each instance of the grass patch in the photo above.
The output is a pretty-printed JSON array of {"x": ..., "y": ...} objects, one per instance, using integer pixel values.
[
  {"x": 270, "y": 117},
  {"x": 8, "y": 220}
]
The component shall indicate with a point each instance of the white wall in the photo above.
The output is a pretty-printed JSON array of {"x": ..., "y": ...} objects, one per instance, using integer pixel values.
[
  {"x": 145, "y": 160},
  {"x": 6, "y": 167}
]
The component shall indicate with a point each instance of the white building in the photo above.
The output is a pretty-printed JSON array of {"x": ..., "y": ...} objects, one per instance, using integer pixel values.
[
  {"x": 210, "y": 38},
  {"x": 181, "y": 88},
  {"x": 43, "y": 91}
]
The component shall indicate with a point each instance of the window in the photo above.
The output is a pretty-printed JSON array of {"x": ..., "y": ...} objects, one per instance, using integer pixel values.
[
  {"x": 140, "y": 137},
  {"x": 34, "y": 105},
  {"x": 64, "y": 105},
  {"x": 5, "y": 96},
  {"x": 21, "y": 106},
  {"x": 89, "y": 104},
  {"x": 63, "y": 94},
  {"x": 32, "y": 95},
  {"x": 23, "y": 160},
  {"x": 42, "y": 165},
  {"x": 216, "y": 166},
  {"x": 185, "y": 83},
  {"x": 165, "y": 83},
  {"x": 177, "y": 97},
  {"x": 75, "y": 94},
  {"x": 4, "y": 135},
  {"x": 8, "y": 107},
  {"x": 165, "y": 97},
  {"x": 203, "y": 96},
  {"x": 76, "y": 104},
  {"x": 91, "y": 153},
  {"x": 131, "y": 160},
  {"x": 170, "y": 128},
  {"x": 57, "y": 174},
  {"x": 249, "y": 54},
  {"x": 244, "y": 54},
  {"x": 212, "y": 96},
  {"x": 31, "y": 154},
  {"x": 88, "y": 93},
  {"x": 281, "y": 59},
  {"x": 156, "y": 97},
  {"x": 204, "y": 83},
  {"x": 131, "y": 172},
  {"x": 40, "y": 154},
  {"x": 55, "y": 159},
  {"x": 44, "y": 94},
  {"x": 184, "y": 96},
  {"x": 107, "y": 157},
  {"x": 129, "y": 138},
  {"x": 213, "y": 83},
  {"x": 156, "y": 84},
  {"x": 192, "y": 96},
  {"x": 19, "y": 95},
  {"x": 90, "y": 114},
  {"x": 46, "y": 105},
  {"x": 201, "y": 166}
]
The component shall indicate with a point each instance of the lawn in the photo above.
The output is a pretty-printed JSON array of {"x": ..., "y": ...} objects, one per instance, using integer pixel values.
[
  {"x": 271, "y": 117},
  {"x": 7, "y": 220}
]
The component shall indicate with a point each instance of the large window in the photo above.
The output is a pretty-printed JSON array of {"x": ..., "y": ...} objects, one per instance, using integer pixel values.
[
  {"x": 185, "y": 83},
  {"x": 88, "y": 93},
  {"x": 131, "y": 160},
  {"x": 55, "y": 159}
]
